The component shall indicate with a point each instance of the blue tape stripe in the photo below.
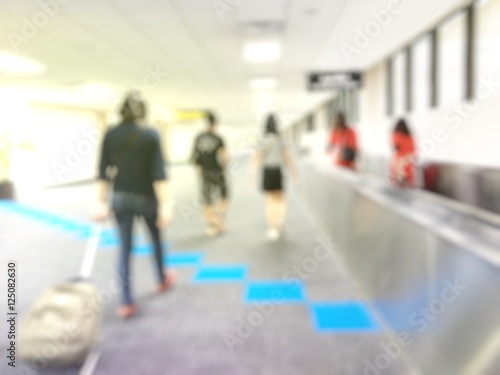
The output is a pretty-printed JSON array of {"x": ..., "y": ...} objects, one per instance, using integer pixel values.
[
  {"x": 343, "y": 317},
  {"x": 221, "y": 274},
  {"x": 275, "y": 292}
]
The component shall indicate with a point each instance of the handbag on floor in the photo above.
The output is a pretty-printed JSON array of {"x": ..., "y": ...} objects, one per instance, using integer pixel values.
[{"x": 61, "y": 328}]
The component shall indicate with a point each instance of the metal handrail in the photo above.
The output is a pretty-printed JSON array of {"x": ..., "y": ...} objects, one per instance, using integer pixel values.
[{"x": 371, "y": 188}]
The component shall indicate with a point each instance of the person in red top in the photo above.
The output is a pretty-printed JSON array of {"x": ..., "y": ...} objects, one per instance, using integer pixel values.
[
  {"x": 343, "y": 143},
  {"x": 403, "y": 161}
]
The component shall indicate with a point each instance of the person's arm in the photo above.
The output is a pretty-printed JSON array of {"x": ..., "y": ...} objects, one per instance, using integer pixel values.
[
  {"x": 165, "y": 203},
  {"x": 398, "y": 143},
  {"x": 223, "y": 155},
  {"x": 195, "y": 153},
  {"x": 161, "y": 186},
  {"x": 101, "y": 210}
]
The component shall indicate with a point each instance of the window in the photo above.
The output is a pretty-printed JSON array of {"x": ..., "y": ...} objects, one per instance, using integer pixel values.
[
  {"x": 487, "y": 37},
  {"x": 399, "y": 82},
  {"x": 389, "y": 87},
  {"x": 452, "y": 61},
  {"x": 422, "y": 74}
]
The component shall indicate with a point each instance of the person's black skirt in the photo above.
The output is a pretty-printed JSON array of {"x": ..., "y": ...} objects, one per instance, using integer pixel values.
[{"x": 272, "y": 179}]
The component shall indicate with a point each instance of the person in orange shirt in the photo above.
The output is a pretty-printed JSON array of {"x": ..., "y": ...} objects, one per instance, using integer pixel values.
[
  {"x": 343, "y": 143},
  {"x": 403, "y": 161}
]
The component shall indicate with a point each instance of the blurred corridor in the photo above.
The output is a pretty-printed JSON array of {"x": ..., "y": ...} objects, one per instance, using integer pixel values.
[{"x": 358, "y": 142}]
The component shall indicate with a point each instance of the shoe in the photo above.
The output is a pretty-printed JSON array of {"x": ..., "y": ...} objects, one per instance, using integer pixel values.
[
  {"x": 126, "y": 311},
  {"x": 168, "y": 282},
  {"x": 273, "y": 234}
]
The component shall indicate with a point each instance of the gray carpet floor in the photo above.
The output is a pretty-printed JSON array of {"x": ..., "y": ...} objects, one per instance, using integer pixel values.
[{"x": 185, "y": 331}]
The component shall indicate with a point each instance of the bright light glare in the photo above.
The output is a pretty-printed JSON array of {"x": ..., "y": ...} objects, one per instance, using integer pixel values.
[
  {"x": 262, "y": 52},
  {"x": 15, "y": 64}
]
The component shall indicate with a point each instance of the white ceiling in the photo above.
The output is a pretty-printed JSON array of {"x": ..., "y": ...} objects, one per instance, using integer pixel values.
[{"x": 116, "y": 42}]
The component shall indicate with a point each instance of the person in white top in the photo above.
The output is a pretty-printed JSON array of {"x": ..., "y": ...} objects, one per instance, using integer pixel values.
[{"x": 272, "y": 156}]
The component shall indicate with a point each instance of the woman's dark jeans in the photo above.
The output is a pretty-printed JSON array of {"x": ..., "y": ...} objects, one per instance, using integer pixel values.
[{"x": 126, "y": 206}]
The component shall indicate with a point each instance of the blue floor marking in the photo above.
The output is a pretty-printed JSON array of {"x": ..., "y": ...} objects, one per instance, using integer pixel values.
[
  {"x": 276, "y": 292},
  {"x": 342, "y": 317},
  {"x": 216, "y": 274},
  {"x": 330, "y": 317},
  {"x": 145, "y": 249},
  {"x": 184, "y": 259}
]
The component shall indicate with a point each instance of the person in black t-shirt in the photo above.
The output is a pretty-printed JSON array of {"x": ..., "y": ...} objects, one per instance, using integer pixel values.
[
  {"x": 140, "y": 188},
  {"x": 210, "y": 156}
]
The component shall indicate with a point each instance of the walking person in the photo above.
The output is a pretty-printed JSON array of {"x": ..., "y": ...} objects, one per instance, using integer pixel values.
[
  {"x": 343, "y": 143},
  {"x": 272, "y": 157},
  {"x": 140, "y": 189},
  {"x": 211, "y": 158},
  {"x": 403, "y": 161}
]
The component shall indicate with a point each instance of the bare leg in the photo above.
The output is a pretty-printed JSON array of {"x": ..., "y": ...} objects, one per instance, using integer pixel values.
[
  {"x": 274, "y": 210},
  {"x": 223, "y": 207},
  {"x": 208, "y": 211},
  {"x": 280, "y": 209},
  {"x": 211, "y": 221},
  {"x": 221, "y": 214},
  {"x": 270, "y": 209}
]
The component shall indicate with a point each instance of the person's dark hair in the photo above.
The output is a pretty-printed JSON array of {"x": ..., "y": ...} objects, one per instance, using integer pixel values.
[
  {"x": 340, "y": 122},
  {"x": 402, "y": 127},
  {"x": 133, "y": 107},
  {"x": 211, "y": 119},
  {"x": 271, "y": 126}
]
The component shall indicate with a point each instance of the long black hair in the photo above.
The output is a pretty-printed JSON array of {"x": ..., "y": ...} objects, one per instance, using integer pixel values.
[
  {"x": 402, "y": 127},
  {"x": 271, "y": 126}
]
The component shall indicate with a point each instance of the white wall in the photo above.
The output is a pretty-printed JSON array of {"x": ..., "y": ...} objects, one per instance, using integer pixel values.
[
  {"x": 49, "y": 145},
  {"x": 464, "y": 132},
  {"x": 456, "y": 131},
  {"x": 373, "y": 127}
]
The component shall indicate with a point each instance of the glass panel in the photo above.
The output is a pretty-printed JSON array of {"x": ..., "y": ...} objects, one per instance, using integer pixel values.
[
  {"x": 422, "y": 74},
  {"x": 451, "y": 61},
  {"x": 399, "y": 83},
  {"x": 487, "y": 38}
]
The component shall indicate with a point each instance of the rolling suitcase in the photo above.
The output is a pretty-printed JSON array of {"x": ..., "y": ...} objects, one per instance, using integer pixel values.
[{"x": 61, "y": 329}]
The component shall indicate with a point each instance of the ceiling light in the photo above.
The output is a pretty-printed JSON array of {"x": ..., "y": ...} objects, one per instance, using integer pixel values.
[
  {"x": 15, "y": 64},
  {"x": 265, "y": 83},
  {"x": 262, "y": 52}
]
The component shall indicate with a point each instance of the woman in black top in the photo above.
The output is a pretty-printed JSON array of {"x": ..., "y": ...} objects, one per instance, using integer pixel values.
[{"x": 140, "y": 188}]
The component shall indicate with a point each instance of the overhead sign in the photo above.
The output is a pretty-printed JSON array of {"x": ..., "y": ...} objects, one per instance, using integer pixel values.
[{"x": 328, "y": 81}]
